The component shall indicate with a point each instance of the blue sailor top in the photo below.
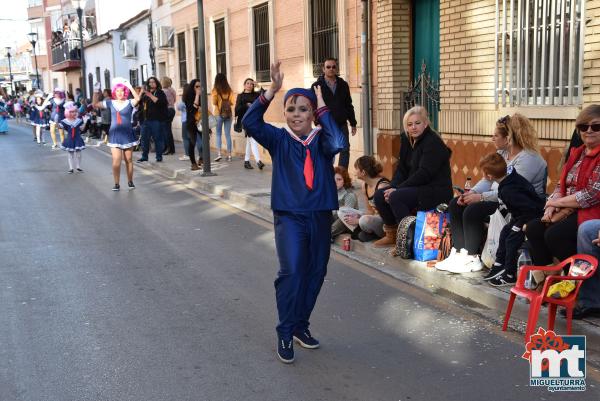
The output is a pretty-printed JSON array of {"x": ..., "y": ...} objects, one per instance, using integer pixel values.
[
  {"x": 57, "y": 111},
  {"x": 288, "y": 188}
]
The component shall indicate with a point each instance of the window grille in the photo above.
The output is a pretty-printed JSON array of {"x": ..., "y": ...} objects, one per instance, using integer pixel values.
[
  {"x": 324, "y": 32},
  {"x": 133, "y": 77},
  {"x": 539, "y": 52},
  {"x": 220, "y": 46},
  {"x": 197, "y": 53},
  {"x": 90, "y": 84},
  {"x": 98, "y": 77},
  {"x": 261, "y": 42},
  {"x": 182, "y": 58},
  {"x": 107, "y": 79}
]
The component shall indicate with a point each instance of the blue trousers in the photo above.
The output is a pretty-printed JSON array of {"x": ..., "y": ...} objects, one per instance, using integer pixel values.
[
  {"x": 152, "y": 128},
  {"x": 303, "y": 244},
  {"x": 589, "y": 293},
  {"x": 224, "y": 124}
]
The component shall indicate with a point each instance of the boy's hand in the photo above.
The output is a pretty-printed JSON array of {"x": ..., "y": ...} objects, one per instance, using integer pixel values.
[
  {"x": 276, "y": 77},
  {"x": 319, "y": 93}
]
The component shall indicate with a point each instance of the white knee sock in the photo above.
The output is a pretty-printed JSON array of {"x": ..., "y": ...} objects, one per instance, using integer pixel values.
[
  {"x": 78, "y": 159},
  {"x": 38, "y": 133},
  {"x": 71, "y": 159}
]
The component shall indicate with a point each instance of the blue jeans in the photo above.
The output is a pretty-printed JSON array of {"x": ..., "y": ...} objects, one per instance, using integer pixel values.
[
  {"x": 589, "y": 293},
  {"x": 152, "y": 128},
  {"x": 224, "y": 122}
]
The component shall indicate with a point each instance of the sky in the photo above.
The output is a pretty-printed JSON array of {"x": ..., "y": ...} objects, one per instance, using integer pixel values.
[{"x": 13, "y": 33}]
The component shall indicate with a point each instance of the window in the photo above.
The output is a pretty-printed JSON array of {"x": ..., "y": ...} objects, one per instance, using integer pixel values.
[
  {"x": 196, "y": 53},
  {"x": 98, "y": 77},
  {"x": 220, "y": 46},
  {"x": 540, "y": 52},
  {"x": 90, "y": 87},
  {"x": 144, "y": 69},
  {"x": 107, "y": 78},
  {"x": 133, "y": 77},
  {"x": 260, "y": 15},
  {"x": 162, "y": 69},
  {"x": 324, "y": 32},
  {"x": 182, "y": 59},
  {"x": 54, "y": 82}
]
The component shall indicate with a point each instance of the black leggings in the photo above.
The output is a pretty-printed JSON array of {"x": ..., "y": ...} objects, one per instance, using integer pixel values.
[
  {"x": 467, "y": 224},
  {"x": 401, "y": 202},
  {"x": 194, "y": 135},
  {"x": 555, "y": 240}
]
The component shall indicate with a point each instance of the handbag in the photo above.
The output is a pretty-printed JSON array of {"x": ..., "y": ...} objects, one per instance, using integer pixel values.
[
  {"x": 429, "y": 228},
  {"x": 445, "y": 244},
  {"x": 405, "y": 237},
  {"x": 497, "y": 223},
  {"x": 212, "y": 123}
]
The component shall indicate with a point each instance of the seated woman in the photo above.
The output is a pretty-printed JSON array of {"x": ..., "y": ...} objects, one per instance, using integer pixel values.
[
  {"x": 369, "y": 223},
  {"x": 515, "y": 139},
  {"x": 422, "y": 179},
  {"x": 346, "y": 199},
  {"x": 576, "y": 198}
]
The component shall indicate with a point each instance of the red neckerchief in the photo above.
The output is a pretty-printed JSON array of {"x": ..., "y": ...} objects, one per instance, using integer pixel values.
[
  {"x": 588, "y": 164},
  {"x": 309, "y": 173}
]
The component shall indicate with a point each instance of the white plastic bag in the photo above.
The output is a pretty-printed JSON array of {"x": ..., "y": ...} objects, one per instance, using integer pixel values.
[{"x": 497, "y": 222}]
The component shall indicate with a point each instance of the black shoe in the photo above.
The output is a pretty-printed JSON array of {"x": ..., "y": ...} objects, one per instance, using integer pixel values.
[
  {"x": 306, "y": 340},
  {"x": 79, "y": 170},
  {"x": 367, "y": 237},
  {"x": 142, "y": 160},
  {"x": 285, "y": 350},
  {"x": 260, "y": 165},
  {"x": 158, "y": 160},
  {"x": 494, "y": 272},
  {"x": 503, "y": 280},
  {"x": 116, "y": 188},
  {"x": 130, "y": 185},
  {"x": 248, "y": 165},
  {"x": 580, "y": 312},
  {"x": 70, "y": 171}
]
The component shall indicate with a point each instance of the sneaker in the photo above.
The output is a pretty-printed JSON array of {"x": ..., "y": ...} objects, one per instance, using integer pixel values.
[
  {"x": 455, "y": 258},
  {"x": 54, "y": 146},
  {"x": 503, "y": 280},
  {"x": 142, "y": 160},
  {"x": 494, "y": 272},
  {"x": 70, "y": 171},
  {"x": 306, "y": 340},
  {"x": 471, "y": 263},
  {"x": 130, "y": 185},
  {"x": 159, "y": 160},
  {"x": 218, "y": 158},
  {"x": 195, "y": 167},
  {"x": 442, "y": 263},
  {"x": 248, "y": 166},
  {"x": 229, "y": 158},
  {"x": 79, "y": 170},
  {"x": 285, "y": 350},
  {"x": 116, "y": 188},
  {"x": 184, "y": 158},
  {"x": 260, "y": 165}
]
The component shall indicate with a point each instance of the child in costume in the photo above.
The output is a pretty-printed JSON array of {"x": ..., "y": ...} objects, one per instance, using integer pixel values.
[
  {"x": 73, "y": 142},
  {"x": 57, "y": 114},
  {"x": 39, "y": 114},
  {"x": 121, "y": 137},
  {"x": 303, "y": 196}
]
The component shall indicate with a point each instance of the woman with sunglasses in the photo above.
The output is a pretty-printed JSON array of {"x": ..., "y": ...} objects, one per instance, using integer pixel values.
[
  {"x": 576, "y": 198},
  {"x": 515, "y": 139},
  {"x": 243, "y": 101}
]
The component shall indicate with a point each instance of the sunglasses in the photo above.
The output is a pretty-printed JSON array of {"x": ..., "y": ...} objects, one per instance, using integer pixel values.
[
  {"x": 586, "y": 127},
  {"x": 331, "y": 67}
]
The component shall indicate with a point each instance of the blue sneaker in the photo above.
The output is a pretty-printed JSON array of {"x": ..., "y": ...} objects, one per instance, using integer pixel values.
[
  {"x": 285, "y": 350},
  {"x": 305, "y": 339}
]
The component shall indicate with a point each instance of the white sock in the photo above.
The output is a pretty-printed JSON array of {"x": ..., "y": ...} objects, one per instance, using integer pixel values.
[
  {"x": 71, "y": 156},
  {"x": 78, "y": 159},
  {"x": 38, "y": 133}
]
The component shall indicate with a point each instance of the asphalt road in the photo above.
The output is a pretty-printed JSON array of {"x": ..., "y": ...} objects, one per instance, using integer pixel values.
[{"x": 163, "y": 294}]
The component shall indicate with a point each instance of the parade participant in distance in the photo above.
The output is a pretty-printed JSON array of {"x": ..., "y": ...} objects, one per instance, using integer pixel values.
[
  {"x": 39, "y": 114},
  {"x": 303, "y": 196},
  {"x": 242, "y": 102},
  {"x": 121, "y": 138},
  {"x": 57, "y": 114},
  {"x": 73, "y": 143}
]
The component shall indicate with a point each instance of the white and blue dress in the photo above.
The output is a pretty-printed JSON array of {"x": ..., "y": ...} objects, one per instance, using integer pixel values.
[
  {"x": 120, "y": 134},
  {"x": 57, "y": 111},
  {"x": 73, "y": 140},
  {"x": 3, "y": 119},
  {"x": 39, "y": 115}
]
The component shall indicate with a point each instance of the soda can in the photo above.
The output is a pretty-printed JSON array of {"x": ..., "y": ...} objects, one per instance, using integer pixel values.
[{"x": 346, "y": 244}]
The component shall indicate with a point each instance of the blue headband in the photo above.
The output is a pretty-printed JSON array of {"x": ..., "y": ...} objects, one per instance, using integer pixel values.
[{"x": 307, "y": 93}]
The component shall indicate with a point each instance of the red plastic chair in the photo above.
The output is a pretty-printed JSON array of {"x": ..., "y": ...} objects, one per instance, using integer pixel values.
[{"x": 537, "y": 298}]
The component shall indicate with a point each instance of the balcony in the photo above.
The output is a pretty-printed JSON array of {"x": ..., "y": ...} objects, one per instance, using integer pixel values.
[{"x": 66, "y": 55}]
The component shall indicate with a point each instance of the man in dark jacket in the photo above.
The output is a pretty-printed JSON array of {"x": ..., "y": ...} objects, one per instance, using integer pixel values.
[
  {"x": 154, "y": 108},
  {"x": 523, "y": 204},
  {"x": 336, "y": 94}
]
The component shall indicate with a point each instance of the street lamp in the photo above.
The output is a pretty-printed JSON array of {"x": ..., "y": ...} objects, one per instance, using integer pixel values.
[
  {"x": 12, "y": 87},
  {"x": 80, "y": 6},
  {"x": 33, "y": 41}
]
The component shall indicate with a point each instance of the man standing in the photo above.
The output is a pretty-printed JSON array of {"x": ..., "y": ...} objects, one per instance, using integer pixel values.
[
  {"x": 336, "y": 94},
  {"x": 153, "y": 106}
]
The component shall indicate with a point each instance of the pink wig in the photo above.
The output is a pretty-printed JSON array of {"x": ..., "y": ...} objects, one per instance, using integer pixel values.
[{"x": 120, "y": 86}]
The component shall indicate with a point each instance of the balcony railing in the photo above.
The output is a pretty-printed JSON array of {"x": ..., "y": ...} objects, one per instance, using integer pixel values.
[{"x": 66, "y": 50}]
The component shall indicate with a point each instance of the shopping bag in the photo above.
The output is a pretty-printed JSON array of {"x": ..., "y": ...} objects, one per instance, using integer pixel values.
[
  {"x": 428, "y": 233},
  {"x": 497, "y": 222}
]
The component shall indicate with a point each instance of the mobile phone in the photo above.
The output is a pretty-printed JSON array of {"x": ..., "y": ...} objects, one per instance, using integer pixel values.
[{"x": 458, "y": 189}]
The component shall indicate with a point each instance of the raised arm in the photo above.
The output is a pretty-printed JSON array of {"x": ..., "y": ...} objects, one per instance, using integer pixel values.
[
  {"x": 96, "y": 102},
  {"x": 136, "y": 96}
]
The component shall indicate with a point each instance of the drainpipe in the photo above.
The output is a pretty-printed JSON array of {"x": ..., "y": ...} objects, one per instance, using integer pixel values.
[{"x": 364, "y": 78}]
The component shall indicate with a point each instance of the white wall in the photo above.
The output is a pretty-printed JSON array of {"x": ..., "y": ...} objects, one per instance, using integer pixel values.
[
  {"x": 112, "y": 13},
  {"x": 99, "y": 55},
  {"x": 139, "y": 34}
]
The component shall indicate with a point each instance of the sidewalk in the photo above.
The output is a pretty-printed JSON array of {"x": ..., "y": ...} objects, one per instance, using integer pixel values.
[{"x": 250, "y": 190}]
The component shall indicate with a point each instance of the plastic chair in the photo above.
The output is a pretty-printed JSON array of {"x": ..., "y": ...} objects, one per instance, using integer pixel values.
[{"x": 537, "y": 298}]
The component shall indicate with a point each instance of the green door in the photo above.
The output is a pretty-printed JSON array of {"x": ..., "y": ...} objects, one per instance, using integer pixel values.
[{"x": 426, "y": 45}]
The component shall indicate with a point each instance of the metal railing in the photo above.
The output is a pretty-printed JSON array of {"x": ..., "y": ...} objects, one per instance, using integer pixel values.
[
  {"x": 324, "y": 33},
  {"x": 261, "y": 42},
  {"x": 66, "y": 50},
  {"x": 424, "y": 92}
]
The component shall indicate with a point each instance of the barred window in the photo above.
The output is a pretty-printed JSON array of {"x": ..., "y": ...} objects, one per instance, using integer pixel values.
[
  {"x": 324, "y": 31},
  {"x": 220, "y": 46},
  {"x": 261, "y": 42},
  {"x": 107, "y": 78},
  {"x": 539, "y": 55},
  {"x": 182, "y": 58},
  {"x": 133, "y": 77},
  {"x": 197, "y": 53},
  {"x": 90, "y": 84}
]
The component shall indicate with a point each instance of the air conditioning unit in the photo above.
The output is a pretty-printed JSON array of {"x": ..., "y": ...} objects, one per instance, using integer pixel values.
[
  {"x": 165, "y": 37},
  {"x": 128, "y": 48}
]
